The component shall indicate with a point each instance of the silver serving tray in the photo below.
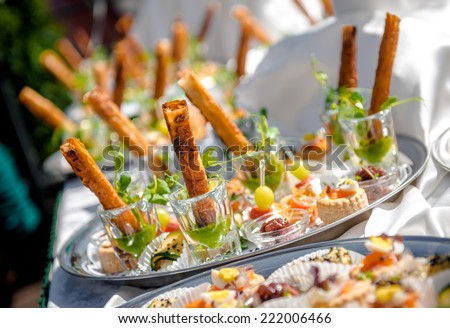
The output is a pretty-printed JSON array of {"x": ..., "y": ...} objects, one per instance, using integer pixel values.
[
  {"x": 73, "y": 257},
  {"x": 266, "y": 264}
]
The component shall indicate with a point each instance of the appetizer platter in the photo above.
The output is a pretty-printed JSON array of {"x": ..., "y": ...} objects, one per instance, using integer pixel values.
[
  {"x": 363, "y": 272},
  {"x": 78, "y": 259},
  {"x": 276, "y": 199}
]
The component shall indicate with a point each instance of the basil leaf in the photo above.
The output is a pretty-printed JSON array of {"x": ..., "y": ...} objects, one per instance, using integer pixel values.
[
  {"x": 208, "y": 159},
  {"x": 163, "y": 187},
  {"x": 123, "y": 182},
  {"x": 388, "y": 103},
  {"x": 157, "y": 199}
]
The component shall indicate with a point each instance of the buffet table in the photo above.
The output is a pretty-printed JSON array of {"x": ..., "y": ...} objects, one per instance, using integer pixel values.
[{"x": 422, "y": 208}]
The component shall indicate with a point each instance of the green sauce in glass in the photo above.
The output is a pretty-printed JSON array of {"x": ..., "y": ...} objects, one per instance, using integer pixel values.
[
  {"x": 213, "y": 235},
  {"x": 136, "y": 243},
  {"x": 273, "y": 174},
  {"x": 374, "y": 152}
]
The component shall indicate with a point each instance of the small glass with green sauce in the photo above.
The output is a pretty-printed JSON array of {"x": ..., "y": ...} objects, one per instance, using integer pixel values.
[
  {"x": 130, "y": 229},
  {"x": 372, "y": 140},
  {"x": 207, "y": 223},
  {"x": 248, "y": 171}
]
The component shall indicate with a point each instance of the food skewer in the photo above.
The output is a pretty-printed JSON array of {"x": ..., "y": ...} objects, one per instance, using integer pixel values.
[
  {"x": 226, "y": 129},
  {"x": 100, "y": 73},
  {"x": 348, "y": 74},
  {"x": 46, "y": 110},
  {"x": 176, "y": 114},
  {"x": 127, "y": 131},
  {"x": 91, "y": 176}
]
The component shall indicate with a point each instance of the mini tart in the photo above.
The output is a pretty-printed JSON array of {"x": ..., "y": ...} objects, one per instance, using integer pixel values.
[{"x": 333, "y": 209}]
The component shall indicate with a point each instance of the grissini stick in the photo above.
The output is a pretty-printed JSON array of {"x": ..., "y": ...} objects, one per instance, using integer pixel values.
[
  {"x": 348, "y": 75},
  {"x": 120, "y": 76},
  {"x": 69, "y": 52},
  {"x": 124, "y": 24},
  {"x": 163, "y": 52},
  {"x": 386, "y": 56},
  {"x": 302, "y": 8},
  {"x": 91, "y": 176},
  {"x": 176, "y": 114},
  {"x": 100, "y": 71},
  {"x": 127, "y": 131},
  {"x": 55, "y": 65},
  {"x": 243, "y": 49},
  {"x": 180, "y": 40},
  {"x": 46, "y": 110},
  {"x": 243, "y": 15},
  {"x": 225, "y": 128},
  {"x": 210, "y": 12},
  {"x": 83, "y": 41},
  {"x": 328, "y": 6}
]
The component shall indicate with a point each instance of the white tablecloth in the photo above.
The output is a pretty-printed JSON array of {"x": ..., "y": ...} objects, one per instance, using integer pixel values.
[{"x": 294, "y": 100}]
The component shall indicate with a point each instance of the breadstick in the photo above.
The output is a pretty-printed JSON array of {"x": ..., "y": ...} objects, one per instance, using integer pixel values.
[
  {"x": 386, "y": 56},
  {"x": 210, "y": 12},
  {"x": 92, "y": 177},
  {"x": 225, "y": 128},
  {"x": 302, "y": 8},
  {"x": 124, "y": 24},
  {"x": 242, "y": 14},
  {"x": 100, "y": 72},
  {"x": 69, "y": 52},
  {"x": 348, "y": 75},
  {"x": 243, "y": 49},
  {"x": 328, "y": 6},
  {"x": 176, "y": 114},
  {"x": 55, "y": 65},
  {"x": 120, "y": 77},
  {"x": 127, "y": 131},
  {"x": 46, "y": 110},
  {"x": 83, "y": 41},
  {"x": 162, "y": 52},
  {"x": 180, "y": 35}
]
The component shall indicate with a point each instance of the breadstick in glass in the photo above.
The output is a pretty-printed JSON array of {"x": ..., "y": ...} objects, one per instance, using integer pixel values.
[
  {"x": 302, "y": 8},
  {"x": 348, "y": 75},
  {"x": 91, "y": 176},
  {"x": 180, "y": 40},
  {"x": 69, "y": 52},
  {"x": 386, "y": 56},
  {"x": 120, "y": 76},
  {"x": 46, "y": 110},
  {"x": 55, "y": 65},
  {"x": 100, "y": 71},
  {"x": 127, "y": 131},
  {"x": 243, "y": 49},
  {"x": 176, "y": 114},
  {"x": 163, "y": 51},
  {"x": 210, "y": 12},
  {"x": 225, "y": 128},
  {"x": 243, "y": 15}
]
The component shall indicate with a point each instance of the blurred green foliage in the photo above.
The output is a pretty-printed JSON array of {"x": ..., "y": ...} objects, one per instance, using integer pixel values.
[{"x": 26, "y": 29}]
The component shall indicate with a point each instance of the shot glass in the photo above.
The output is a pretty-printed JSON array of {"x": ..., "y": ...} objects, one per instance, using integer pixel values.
[
  {"x": 372, "y": 140},
  {"x": 248, "y": 171},
  {"x": 130, "y": 229},
  {"x": 207, "y": 223},
  {"x": 330, "y": 121}
]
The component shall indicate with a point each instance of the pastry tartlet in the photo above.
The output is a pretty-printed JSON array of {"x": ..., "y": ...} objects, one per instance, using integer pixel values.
[{"x": 336, "y": 203}]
